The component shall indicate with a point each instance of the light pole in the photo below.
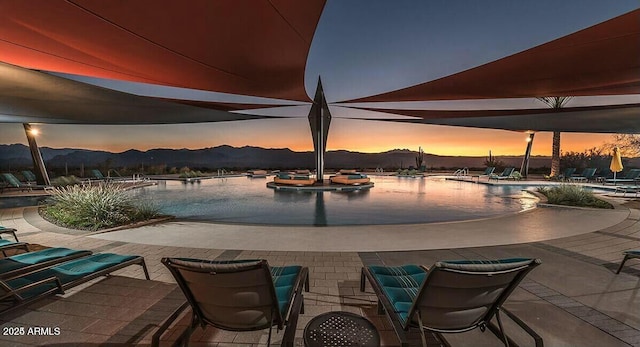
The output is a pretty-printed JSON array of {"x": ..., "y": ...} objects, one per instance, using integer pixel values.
[
  {"x": 42, "y": 177},
  {"x": 524, "y": 169}
]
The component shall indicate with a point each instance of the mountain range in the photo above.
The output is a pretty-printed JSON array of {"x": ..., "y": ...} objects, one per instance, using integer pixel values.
[{"x": 17, "y": 156}]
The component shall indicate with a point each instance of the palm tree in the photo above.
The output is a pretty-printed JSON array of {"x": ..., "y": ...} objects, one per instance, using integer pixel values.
[{"x": 555, "y": 102}]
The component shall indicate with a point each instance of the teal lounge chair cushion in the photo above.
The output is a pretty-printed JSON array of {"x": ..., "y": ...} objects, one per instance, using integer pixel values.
[
  {"x": 4, "y": 242},
  {"x": 29, "y": 176},
  {"x": 69, "y": 271},
  {"x": 11, "y": 180},
  {"x": 284, "y": 280},
  {"x": 400, "y": 285},
  {"x": 354, "y": 177},
  {"x": 31, "y": 258},
  {"x": 285, "y": 176}
]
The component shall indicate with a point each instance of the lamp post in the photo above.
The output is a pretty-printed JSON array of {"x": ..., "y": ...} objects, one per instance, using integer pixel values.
[
  {"x": 524, "y": 168},
  {"x": 42, "y": 177}
]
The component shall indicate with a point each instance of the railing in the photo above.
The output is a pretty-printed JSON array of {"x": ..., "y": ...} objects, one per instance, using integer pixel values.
[{"x": 462, "y": 172}]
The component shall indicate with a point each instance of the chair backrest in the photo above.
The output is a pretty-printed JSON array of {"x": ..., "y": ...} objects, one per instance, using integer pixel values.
[
  {"x": 29, "y": 176},
  {"x": 11, "y": 180},
  {"x": 589, "y": 172},
  {"x": 633, "y": 174},
  {"x": 230, "y": 295},
  {"x": 569, "y": 171},
  {"x": 458, "y": 296},
  {"x": 97, "y": 174},
  {"x": 489, "y": 170},
  {"x": 507, "y": 172}
]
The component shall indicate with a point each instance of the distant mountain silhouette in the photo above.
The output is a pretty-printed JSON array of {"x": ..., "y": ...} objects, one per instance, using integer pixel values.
[{"x": 17, "y": 156}]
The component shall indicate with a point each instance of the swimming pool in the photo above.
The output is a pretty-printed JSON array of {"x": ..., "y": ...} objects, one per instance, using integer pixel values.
[{"x": 392, "y": 200}]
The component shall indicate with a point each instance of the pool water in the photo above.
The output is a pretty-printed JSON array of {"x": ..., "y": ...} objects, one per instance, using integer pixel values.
[{"x": 392, "y": 200}]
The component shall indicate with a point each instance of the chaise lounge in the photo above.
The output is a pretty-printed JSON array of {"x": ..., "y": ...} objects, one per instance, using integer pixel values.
[
  {"x": 22, "y": 290},
  {"x": 487, "y": 173},
  {"x": 239, "y": 295},
  {"x": 32, "y": 261},
  {"x": 505, "y": 175},
  {"x": 449, "y": 297}
]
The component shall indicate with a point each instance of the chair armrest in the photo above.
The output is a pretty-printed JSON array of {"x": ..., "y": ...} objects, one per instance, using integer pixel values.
[
  {"x": 10, "y": 231},
  {"x": 496, "y": 331},
  {"x": 155, "y": 340}
]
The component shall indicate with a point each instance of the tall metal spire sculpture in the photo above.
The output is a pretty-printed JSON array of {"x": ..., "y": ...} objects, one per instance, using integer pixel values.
[{"x": 319, "y": 120}]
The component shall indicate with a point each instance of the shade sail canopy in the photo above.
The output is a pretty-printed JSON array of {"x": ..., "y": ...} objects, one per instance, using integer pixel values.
[
  {"x": 590, "y": 119},
  {"x": 32, "y": 96},
  {"x": 260, "y": 48},
  {"x": 256, "y": 47},
  {"x": 601, "y": 60}
]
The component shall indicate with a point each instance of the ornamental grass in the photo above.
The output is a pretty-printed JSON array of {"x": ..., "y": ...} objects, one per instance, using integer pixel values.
[
  {"x": 572, "y": 195},
  {"x": 96, "y": 207}
]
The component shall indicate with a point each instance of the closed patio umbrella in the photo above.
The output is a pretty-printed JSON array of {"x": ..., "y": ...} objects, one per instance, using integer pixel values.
[{"x": 616, "y": 163}]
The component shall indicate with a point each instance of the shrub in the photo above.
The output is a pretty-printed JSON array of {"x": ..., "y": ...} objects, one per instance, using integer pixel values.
[
  {"x": 572, "y": 195},
  {"x": 95, "y": 207}
]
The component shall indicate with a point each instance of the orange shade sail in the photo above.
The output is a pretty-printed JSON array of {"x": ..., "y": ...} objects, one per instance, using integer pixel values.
[
  {"x": 247, "y": 47},
  {"x": 600, "y": 60}
]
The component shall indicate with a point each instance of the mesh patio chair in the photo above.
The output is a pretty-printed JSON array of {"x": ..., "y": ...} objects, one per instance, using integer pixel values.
[
  {"x": 241, "y": 295},
  {"x": 449, "y": 297}
]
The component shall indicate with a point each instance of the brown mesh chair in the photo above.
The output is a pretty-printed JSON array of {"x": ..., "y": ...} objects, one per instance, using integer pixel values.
[
  {"x": 449, "y": 297},
  {"x": 239, "y": 295}
]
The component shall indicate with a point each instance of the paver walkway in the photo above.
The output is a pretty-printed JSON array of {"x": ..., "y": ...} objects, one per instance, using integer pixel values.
[{"x": 572, "y": 299}]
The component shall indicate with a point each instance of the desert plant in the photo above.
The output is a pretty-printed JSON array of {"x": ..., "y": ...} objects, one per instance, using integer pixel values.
[
  {"x": 572, "y": 195},
  {"x": 420, "y": 159},
  {"x": 95, "y": 207}
]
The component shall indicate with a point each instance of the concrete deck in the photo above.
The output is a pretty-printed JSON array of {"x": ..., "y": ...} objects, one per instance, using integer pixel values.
[{"x": 572, "y": 299}]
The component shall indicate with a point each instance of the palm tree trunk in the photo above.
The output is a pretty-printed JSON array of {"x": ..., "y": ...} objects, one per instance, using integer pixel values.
[{"x": 555, "y": 155}]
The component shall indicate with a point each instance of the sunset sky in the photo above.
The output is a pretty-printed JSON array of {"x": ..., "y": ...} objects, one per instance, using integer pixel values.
[{"x": 358, "y": 52}]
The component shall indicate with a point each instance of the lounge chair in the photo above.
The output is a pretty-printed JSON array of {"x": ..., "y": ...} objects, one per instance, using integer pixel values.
[
  {"x": 294, "y": 179},
  {"x": 487, "y": 173},
  {"x": 506, "y": 174},
  {"x": 10, "y": 181},
  {"x": 32, "y": 261},
  {"x": 29, "y": 176},
  {"x": 567, "y": 174},
  {"x": 631, "y": 177},
  {"x": 631, "y": 254},
  {"x": 449, "y": 297},
  {"x": 97, "y": 174},
  {"x": 6, "y": 245},
  {"x": 27, "y": 288},
  {"x": 627, "y": 189},
  {"x": 586, "y": 175},
  {"x": 352, "y": 179},
  {"x": 241, "y": 295}
]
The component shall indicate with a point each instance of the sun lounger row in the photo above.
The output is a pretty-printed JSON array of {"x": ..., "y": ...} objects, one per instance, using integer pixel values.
[{"x": 28, "y": 277}]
